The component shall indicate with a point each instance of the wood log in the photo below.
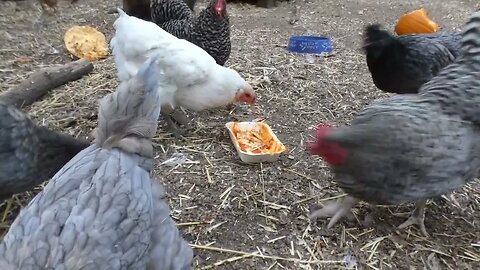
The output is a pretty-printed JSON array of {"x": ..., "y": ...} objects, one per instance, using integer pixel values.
[{"x": 41, "y": 82}]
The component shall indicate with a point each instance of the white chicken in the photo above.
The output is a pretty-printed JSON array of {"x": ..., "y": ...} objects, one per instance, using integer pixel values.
[
  {"x": 102, "y": 210},
  {"x": 195, "y": 81}
]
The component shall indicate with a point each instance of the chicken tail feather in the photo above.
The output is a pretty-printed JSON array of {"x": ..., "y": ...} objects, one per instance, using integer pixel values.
[
  {"x": 377, "y": 41},
  {"x": 128, "y": 117},
  {"x": 121, "y": 12},
  {"x": 471, "y": 36}
]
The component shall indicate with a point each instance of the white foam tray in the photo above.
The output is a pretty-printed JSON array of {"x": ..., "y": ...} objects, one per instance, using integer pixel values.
[{"x": 250, "y": 157}]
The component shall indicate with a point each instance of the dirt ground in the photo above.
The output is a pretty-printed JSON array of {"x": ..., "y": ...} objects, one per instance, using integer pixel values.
[{"x": 241, "y": 216}]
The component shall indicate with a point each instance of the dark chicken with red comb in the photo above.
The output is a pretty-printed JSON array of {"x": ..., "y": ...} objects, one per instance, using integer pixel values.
[
  {"x": 410, "y": 147},
  {"x": 402, "y": 64},
  {"x": 209, "y": 30}
]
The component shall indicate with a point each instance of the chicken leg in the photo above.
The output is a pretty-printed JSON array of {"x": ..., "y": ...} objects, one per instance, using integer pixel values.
[
  {"x": 172, "y": 126},
  {"x": 172, "y": 117},
  {"x": 180, "y": 117},
  {"x": 417, "y": 217},
  {"x": 342, "y": 207}
]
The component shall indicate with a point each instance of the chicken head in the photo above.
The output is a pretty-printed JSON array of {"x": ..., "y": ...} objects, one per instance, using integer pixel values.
[{"x": 246, "y": 95}]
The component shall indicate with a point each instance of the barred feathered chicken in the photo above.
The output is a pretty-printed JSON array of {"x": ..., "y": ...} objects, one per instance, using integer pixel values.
[
  {"x": 195, "y": 81},
  {"x": 403, "y": 64},
  {"x": 410, "y": 147},
  {"x": 141, "y": 8},
  {"x": 174, "y": 12},
  {"x": 210, "y": 29},
  {"x": 30, "y": 154},
  {"x": 103, "y": 210}
]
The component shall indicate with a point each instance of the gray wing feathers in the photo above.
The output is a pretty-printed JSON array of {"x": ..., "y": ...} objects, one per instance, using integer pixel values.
[{"x": 169, "y": 250}]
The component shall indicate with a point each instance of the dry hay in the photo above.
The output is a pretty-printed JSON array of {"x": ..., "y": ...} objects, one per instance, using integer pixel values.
[{"x": 239, "y": 216}]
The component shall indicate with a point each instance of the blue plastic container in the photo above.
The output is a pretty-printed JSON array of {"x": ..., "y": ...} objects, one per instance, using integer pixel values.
[{"x": 310, "y": 44}]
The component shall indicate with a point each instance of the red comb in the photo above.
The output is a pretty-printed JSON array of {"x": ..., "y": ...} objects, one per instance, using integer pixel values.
[
  {"x": 322, "y": 131},
  {"x": 331, "y": 152},
  {"x": 219, "y": 8}
]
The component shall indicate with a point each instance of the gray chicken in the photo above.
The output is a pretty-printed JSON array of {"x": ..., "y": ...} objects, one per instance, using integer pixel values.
[
  {"x": 209, "y": 30},
  {"x": 30, "y": 154},
  {"x": 410, "y": 147},
  {"x": 102, "y": 210},
  {"x": 403, "y": 64}
]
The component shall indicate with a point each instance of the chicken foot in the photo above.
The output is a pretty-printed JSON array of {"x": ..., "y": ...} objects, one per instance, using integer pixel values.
[
  {"x": 174, "y": 117},
  {"x": 336, "y": 210},
  {"x": 417, "y": 217},
  {"x": 180, "y": 117},
  {"x": 173, "y": 127}
]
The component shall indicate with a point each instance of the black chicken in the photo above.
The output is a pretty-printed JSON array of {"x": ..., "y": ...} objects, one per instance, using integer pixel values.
[
  {"x": 402, "y": 64},
  {"x": 411, "y": 147},
  {"x": 210, "y": 29},
  {"x": 30, "y": 154},
  {"x": 136, "y": 8}
]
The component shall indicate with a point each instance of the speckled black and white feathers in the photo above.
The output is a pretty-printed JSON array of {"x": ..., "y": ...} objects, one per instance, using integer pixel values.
[
  {"x": 411, "y": 147},
  {"x": 30, "y": 154},
  {"x": 212, "y": 33},
  {"x": 207, "y": 30},
  {"x": 403, "y": 149},
  {"x": 167, "y": 10},
  {"x": 404, "y": 63},
  {"x": 141, "y": 9},
  {"x": 103, "y": 210}
]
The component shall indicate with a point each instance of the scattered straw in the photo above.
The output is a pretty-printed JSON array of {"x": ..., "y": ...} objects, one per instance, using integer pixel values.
[
  {"x": 258, "y": 203},
  {"x": 255, "y": 254}
]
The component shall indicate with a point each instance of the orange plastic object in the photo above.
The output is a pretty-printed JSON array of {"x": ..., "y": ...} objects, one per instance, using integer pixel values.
[
  {"x": 415, "y": 22},
  {"x": 86, "y": 42}
]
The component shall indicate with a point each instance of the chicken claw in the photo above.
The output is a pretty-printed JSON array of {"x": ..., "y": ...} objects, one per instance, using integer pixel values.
[
  {"x": 173, "y": 127},
  {"x": 417, "y": 217},
  {"x": 342, "y": 207},
  {"x": 180, "y": 117}
]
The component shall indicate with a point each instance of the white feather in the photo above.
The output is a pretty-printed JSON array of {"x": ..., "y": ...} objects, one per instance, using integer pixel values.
[{"x": 194, "y": 79}]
